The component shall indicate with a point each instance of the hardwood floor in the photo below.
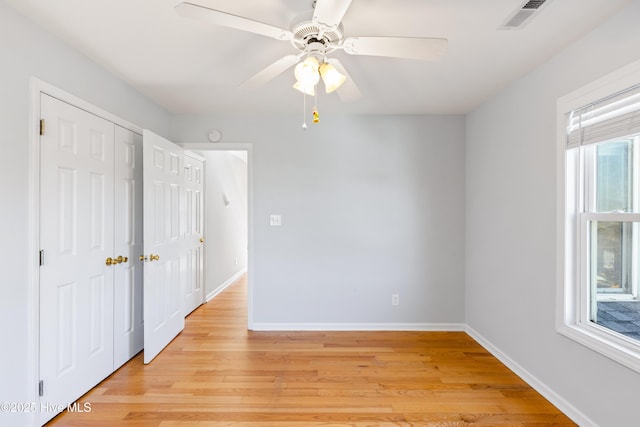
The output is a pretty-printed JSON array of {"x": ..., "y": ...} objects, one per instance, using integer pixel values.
[{"x": 216, "y": 373}]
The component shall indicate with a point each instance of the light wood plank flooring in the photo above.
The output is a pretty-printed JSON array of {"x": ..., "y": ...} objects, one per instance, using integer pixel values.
[{"x": 216, "y": 373}]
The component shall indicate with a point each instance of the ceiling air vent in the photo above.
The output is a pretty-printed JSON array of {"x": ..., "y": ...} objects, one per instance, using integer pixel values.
[{"x": 522, "y": 16}]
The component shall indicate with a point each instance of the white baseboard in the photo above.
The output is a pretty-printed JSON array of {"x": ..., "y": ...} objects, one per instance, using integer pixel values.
[
  {"x": 567, "y": 408},
  {"x": 257, "y": 326},
  {"x": 224, "y": 286}
]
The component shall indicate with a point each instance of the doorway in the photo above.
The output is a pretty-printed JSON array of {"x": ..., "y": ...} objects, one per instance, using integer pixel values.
[{"x": 228, "y": 219}]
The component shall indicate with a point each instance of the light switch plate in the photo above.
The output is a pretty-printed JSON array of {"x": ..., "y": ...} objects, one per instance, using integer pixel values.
[{"x": 275, "y": 220}]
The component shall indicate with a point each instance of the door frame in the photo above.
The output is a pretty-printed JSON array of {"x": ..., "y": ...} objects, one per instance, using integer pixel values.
[
  {"x": 236, "y": 146},
  {"x": 37, "y": 87}
]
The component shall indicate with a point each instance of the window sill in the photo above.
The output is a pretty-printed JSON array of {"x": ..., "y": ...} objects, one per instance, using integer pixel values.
[
  {"x": 599, "y": 339},
  {"x": 616, "y": 297}
]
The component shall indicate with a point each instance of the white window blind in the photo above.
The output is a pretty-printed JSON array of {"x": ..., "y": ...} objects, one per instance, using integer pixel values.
[{"x": 615, "y": 116}]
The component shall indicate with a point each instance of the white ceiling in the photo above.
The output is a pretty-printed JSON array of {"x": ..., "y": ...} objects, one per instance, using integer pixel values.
[{"x": 193, "y": 68}]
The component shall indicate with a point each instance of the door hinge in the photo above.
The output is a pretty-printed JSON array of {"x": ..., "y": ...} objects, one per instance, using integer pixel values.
[
  {"x": 40, "y": 388},
  {"x": 41, "y": 126},
  {"x": 41, "y": 258}
]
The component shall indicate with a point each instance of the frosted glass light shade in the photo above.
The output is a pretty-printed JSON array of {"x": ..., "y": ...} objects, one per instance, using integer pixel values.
[
  {"x": 306, "y": 72},
  {"x": 331, "y": 77},
  {"x": 306, "y": 89}
]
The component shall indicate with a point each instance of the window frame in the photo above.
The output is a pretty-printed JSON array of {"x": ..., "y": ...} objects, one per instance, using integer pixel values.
[{"x": 572, "y": 299}]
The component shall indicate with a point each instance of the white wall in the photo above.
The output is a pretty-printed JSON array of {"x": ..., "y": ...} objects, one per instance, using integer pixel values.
[
  {"x": 511, "y": 227},
  {"x": 225, "y": 218},
  {"x": 370, "y": 205},
  {"x": 27, "y": 51}
]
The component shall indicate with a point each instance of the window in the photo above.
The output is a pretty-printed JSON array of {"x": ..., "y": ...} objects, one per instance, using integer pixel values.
[
  {"x": 609, "y": 224},
  {"x": 599, "y": 274}
]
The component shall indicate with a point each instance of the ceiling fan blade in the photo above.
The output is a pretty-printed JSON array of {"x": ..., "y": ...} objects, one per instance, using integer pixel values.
[
  {"x": 428, "y": 49},
  {"x": 330, "y": 12},
  {"x": 217, "y": 17},
  {"x": 271, "y": 71},
  {"x": 349, "y": 91}
]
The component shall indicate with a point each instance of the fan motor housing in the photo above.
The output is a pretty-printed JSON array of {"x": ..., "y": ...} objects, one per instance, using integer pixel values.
[{"x": 313, "y": 38}]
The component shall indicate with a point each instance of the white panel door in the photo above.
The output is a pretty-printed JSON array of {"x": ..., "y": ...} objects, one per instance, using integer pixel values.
[
  {"x": 128, "y": 326},
  {"x": 165, "y": 263},
  {"x": 194, "y": 233},
  {"x": 76, "y": 236}
]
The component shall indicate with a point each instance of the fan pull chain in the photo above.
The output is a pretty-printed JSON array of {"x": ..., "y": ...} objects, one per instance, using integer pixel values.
[
  {"x": 316, "y": 116},
  {"x": 304, "y": 111}
]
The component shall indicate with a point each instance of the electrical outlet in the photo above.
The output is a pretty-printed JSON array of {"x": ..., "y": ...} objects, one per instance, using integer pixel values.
[{"x": 395, "y": 299}]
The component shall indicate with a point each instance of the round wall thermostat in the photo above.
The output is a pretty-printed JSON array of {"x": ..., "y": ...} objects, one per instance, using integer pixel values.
[{"x": 215, "y": 135}]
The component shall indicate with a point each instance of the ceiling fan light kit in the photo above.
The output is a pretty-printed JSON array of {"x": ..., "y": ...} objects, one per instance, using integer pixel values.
[
  {"x": 315, "y": 35},
  {"x": 309, "y": 72}
]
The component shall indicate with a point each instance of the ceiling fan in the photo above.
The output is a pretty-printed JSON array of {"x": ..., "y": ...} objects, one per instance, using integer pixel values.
[{"x": 315, "y": 36}]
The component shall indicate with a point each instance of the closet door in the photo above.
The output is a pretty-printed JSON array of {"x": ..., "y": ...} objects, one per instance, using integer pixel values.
[
  {"x": 76, "y": 237},
  {"x": 194, "y": 233},
  {"x": 128, "y": 326}
]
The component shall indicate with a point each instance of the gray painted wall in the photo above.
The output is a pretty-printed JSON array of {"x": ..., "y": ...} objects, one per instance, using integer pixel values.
[
  {"x": 370, "y": 205},
  {"x": 27, "y": 51},
  {"x": 511, "y": 226}
]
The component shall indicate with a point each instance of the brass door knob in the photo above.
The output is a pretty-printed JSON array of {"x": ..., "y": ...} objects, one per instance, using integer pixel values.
[
  {"x": 122, "y": 259},
  {"x": 153, "y": 257},
  {"x": 202, "y": 240},
  {"x": 143, "y": 258},
  {"x": 109, "y": 262}
]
